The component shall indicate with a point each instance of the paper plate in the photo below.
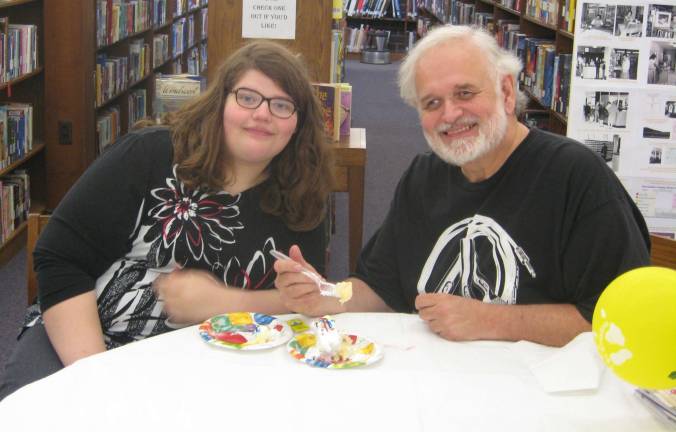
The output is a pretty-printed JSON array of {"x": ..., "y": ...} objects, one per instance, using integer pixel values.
[
  {"x": 244, "y": 331},
  {"x": 355, "y": 351}
]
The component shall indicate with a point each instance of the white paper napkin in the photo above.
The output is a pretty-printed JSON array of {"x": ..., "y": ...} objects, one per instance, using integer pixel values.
[{"x": 575, "y": 366}]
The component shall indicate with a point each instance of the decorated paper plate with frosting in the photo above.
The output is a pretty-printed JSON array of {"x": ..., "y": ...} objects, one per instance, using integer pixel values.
[
  {"x": 244, "y": 331},
  {"x": 353, "y": 351}
]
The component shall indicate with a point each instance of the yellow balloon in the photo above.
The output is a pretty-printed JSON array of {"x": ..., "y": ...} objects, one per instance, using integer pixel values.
[{"x": 634, "y": 327}]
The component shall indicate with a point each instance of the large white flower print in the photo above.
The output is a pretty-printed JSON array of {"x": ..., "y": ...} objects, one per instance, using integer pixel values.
[{"x": 203, "y": 221}]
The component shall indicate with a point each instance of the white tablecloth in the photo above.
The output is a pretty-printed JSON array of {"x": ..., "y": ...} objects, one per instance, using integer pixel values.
[{"x": 176, "y": 382}]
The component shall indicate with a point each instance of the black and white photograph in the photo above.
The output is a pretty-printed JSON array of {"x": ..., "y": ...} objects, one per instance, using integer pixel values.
[
  {"x": 623, "y": 64},
  {"x": 661, "y": 21},
  {"x": 662, "y": 63},
  {"x": 607, "y": 146},
  {"x": 591, "y": 62},
  {"x": 629, "y": 21},
  {"x": 656, "y": 132},
  {"x": 598, "y": 17},
  {"x": 606, "y": 109},
  {"x": 670, "y": 109},
  {"x": 655, "y": 156}
]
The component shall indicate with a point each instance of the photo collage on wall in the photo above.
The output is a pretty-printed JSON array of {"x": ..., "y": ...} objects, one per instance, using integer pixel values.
[{"x": 623, "y": 97}]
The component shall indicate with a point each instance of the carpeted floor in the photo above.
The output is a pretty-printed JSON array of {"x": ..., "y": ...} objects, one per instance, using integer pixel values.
[{"x": 12, "y": 303}]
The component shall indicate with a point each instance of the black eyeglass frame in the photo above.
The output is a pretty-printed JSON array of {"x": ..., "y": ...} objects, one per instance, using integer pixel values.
[{"x": 265, "y": 99}]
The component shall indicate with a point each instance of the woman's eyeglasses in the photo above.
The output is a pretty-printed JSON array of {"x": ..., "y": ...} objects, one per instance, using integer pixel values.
[{"x": 251, "y": 99}]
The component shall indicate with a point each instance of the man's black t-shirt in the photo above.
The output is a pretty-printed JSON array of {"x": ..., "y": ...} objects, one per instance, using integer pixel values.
[{"x": 553, "y": 225}]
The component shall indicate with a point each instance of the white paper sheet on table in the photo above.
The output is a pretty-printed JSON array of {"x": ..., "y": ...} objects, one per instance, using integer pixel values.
[{"x": 575, "y": 366}]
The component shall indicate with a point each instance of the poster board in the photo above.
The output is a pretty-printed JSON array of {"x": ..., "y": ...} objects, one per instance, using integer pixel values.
[{"x": 623, "y": 98}]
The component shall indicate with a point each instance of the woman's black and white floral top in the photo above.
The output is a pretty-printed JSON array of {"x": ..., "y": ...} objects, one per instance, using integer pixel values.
[{"x": 129, "y": 219}]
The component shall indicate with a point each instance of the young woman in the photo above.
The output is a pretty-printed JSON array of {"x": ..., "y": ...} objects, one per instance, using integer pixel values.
[{"x": 174, "y": 223}]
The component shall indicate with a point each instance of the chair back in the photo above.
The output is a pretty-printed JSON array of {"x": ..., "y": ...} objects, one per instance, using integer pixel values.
[
  {"x": 663, "y": 252},
  {"x": 36, "y": 222}
]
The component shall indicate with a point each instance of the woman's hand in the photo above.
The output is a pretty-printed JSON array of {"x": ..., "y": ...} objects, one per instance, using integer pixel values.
[{"x": 190, "y": 296}]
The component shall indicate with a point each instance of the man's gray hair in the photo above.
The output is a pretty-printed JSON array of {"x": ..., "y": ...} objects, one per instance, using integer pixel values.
[{"x": 499, "y": 60}]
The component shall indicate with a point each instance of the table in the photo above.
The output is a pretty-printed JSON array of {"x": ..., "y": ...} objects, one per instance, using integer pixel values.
[
  {"x": 176, "y": 382},
  {"x": 350, "y": 160}
]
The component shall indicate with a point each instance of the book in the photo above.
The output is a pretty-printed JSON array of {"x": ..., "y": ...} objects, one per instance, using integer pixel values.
[
  {"x": 548, "y": 79},
  {"x": 19, "y": 128},
  {"x": 345, "y": 109},
  {"x": 337, "y": 56},
  {"x": 108, "y": 127},
  {"x": 19, "y": 201},
  {"x": 664, "y": 401},
  {"x": 136, "y": 104},
  {"x": 4, "y": 146},
  {"x": 329, "y": 100},
  {"x": 565, "y": 61},
  {"x": 172, "y": 91}
]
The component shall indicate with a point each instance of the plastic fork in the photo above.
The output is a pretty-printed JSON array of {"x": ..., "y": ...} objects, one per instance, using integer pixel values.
[{"x": 325, "y": 288}]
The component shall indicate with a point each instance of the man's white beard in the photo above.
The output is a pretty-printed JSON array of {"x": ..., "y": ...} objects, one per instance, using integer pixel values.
[{"x": 464, "y": 150}]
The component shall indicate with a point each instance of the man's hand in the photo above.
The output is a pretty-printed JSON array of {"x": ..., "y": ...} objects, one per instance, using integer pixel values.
[
  {"x": 460, "y": 319},
  {"x": 298, "y": 292},
  {"x": 190, "y": 296},
  {"x": 453, "y": 317}
]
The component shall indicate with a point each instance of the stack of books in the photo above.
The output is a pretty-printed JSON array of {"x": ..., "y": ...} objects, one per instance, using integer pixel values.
[{"x": 664, "y": 401}]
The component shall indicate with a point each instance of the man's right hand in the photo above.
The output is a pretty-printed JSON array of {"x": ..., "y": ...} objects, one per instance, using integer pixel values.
[{"x": 298, "y": 292}]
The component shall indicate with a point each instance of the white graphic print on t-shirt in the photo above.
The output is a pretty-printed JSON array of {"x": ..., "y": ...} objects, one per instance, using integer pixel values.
[{"x": 475, "y": 258}]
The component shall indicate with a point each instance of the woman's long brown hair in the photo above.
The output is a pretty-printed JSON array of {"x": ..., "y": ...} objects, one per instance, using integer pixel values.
[{"x": 300, "y": 176}]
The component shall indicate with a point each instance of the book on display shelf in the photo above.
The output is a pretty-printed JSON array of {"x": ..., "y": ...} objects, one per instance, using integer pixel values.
[
  {"x": 329, "y": 100},
  {"x": 345, "y": 109},
  {"x": 172, "y": 91}
]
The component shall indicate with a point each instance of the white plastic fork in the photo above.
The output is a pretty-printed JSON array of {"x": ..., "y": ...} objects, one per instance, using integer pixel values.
[{"x": 325, "y": 288}]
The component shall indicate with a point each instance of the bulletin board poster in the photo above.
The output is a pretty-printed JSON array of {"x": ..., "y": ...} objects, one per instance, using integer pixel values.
[
  {"x": 623, "y": 98},
  {"x": 269, "y": 19}
]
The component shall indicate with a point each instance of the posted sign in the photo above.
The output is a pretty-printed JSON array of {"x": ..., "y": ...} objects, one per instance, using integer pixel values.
[{"x": 269, "y": 19}]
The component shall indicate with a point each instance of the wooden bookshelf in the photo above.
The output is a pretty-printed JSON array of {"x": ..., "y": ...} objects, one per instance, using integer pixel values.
[
  {"x": 27, "y": 88},
  {"x": 439, "y": 12},
  {"x": 71, "y": 53}
]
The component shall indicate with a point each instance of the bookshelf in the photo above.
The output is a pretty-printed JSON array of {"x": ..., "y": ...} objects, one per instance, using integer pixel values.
[
  {"x": 24, "y": 87},
  {"x": 396, "y": 16},
  {"x": 534, "y": 18},
  {"x": 100, "y": 76}
]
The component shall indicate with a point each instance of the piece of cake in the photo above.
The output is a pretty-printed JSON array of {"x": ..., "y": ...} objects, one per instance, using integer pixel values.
[{"x": 344, "y": 291}]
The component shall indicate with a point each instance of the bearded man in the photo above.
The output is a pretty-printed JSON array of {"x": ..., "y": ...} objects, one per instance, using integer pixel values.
[{"x": 503, "y": 232}]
